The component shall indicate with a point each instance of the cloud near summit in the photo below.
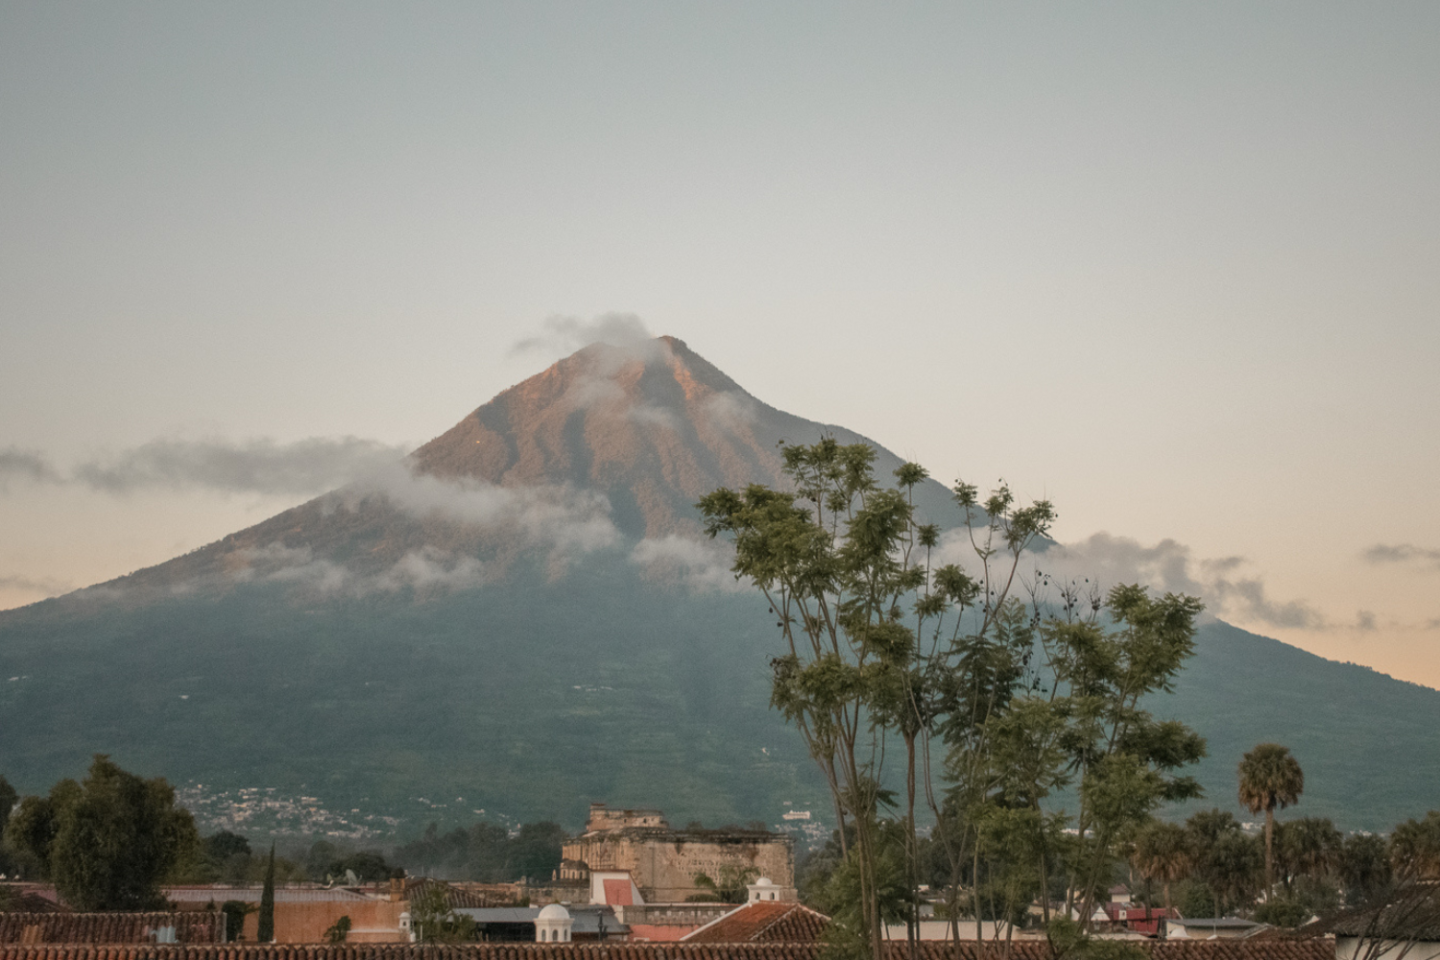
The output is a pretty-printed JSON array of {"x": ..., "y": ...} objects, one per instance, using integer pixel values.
[
  {"x": 624, "y": 331},
  {"x": 263, "y": 466}
]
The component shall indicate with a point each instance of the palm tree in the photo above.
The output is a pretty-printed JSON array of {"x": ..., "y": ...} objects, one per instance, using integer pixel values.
[
  {"x": 1162, "y": 852},
  {"x": 1309, "y": 847},
  {"x": 1270, "y": 777}
]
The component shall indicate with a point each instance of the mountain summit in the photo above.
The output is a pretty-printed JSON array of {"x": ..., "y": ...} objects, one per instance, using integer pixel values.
[
  {"x": 522, "y": 617},
  {"x": 611, "y": 445},
  {"x": 653, "y": 426}
]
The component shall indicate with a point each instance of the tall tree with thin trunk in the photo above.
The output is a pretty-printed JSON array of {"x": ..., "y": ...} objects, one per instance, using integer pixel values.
[
  {"x": 1270, "y": 777},
  {"x": 1163, "y": 852},
  {"x": 265, "y": 927}
]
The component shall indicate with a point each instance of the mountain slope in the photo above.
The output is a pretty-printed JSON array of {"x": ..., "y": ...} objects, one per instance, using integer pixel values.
[{"x": 521, "y": 620}]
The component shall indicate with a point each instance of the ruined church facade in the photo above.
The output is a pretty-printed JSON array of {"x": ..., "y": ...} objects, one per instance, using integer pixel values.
[{"x": 663, "y": 863}]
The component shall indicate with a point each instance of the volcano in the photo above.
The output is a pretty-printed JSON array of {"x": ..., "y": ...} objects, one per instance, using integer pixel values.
[{"x": 523, "y": 616}]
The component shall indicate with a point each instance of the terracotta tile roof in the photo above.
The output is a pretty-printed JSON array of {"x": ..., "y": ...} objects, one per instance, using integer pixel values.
[
  {"x": 458, "y": 897},
  {"x": 32, "y": 902},
  {"x": 111, "y": 928},
  {"x": 1410, "y": 914},
  {"x": 1316, "y": 949},
  {"x": 251, "y": 894},
  {"x": 764, "y": 921}
]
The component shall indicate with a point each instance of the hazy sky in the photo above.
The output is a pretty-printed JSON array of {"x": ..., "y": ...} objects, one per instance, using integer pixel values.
[{"x": 1176, "y": 267}]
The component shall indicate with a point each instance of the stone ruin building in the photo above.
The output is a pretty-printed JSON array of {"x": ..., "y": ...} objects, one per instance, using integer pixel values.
[{"x": 623, "y": 853}]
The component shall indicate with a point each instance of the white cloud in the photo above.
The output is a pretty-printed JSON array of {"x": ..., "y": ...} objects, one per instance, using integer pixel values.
[
  {"x": 625, "y": 332},
  {"x": 43, "y": 586},
  {"x": 427, "y": 570},
  {"x": 564, "y": 519},
  {"x": 702, "y": 565},
  {"x": 264, "y": 466},
  {"x": 730, "y": 410},
  {"x": 1167, "y": 566}
]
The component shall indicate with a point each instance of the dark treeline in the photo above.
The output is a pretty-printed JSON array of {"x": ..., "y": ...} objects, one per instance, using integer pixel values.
[
  {"x": 1205, "y": 867},
  {"x": 227, "y": 857},
  {"x": 485, "y": 852}
]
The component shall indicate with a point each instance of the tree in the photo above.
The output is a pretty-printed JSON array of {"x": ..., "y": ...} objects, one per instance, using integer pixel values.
[
  {"x": 1364, "y": 867},
  {"x": 434, "y": 920},
  {"x": 1232, "y": 868},
  {"x": 1270, "y": 777},
  {"x": 339, "y": 930},
  {"x": 8, "y": 799},
  {"x": 265, "y": 926},
  {"x": 1219, "y": 858},
  {"x": 1415, "y": 848},
  {"x": 729, "y": 886},
  {"x": 1309, "y": 848},
  {"x": 883, "y": 643},
  {"x": 1163, "y": 853},
  {"x": 846, "y": 567},
  {"x": 107, "y": 843}
]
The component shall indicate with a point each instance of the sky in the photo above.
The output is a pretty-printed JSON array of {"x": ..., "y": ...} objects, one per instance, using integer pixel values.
[{"x": 1175, "y": 267}]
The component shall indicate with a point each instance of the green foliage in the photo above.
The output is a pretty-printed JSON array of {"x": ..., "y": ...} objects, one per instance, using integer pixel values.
[
  {"x": 1364, "y": 867},
  {"x": 1270, "y": 777},
  {"x": 485, "y": 852},
  {"x": 338, "y": 931},
  {"x": 265, "y": 929},
  {"x": 1069, "y": 941},
  {"x": 107, "y": 843},
  {"x": 235, "y": 911},
  {"x": 1283, "y": 912},
  {"x": 1194, "y": 898},
  {"x": 729, "y": 886},
  {"x": 1415, "y": 848},
  {"x": 881, "y": 642},
  {"x": 9, "y": 798},
  {"x": 433, "y": 920},
  {"x": 1163, "y": 852}
]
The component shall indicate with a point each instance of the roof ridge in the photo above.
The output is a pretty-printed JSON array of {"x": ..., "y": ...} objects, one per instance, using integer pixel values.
[{"x": 755, "y": 937}]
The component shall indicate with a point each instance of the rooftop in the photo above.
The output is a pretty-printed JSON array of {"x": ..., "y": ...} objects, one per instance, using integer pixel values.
[
  {"x": 1308, "y": 949},
  {"x": 763, "y": 921}
]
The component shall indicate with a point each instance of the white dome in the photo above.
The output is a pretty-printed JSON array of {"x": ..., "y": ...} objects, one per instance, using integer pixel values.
[
  {"x": 764, "y": 882},
  {"x": 554, "y": 912}
]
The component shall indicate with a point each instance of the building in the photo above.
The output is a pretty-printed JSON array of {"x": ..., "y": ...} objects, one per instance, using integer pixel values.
[
  {"x": 51, "y": 927},
  {"x": 1314, "y": 949},
  {"x": 763, "y": 921},
  {"x": 661, "y": 863}
]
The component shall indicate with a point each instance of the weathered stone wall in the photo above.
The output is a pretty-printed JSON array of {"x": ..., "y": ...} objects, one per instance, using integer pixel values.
[
  {"x": 602, "y": 818},
  {"x": 664, "y": 866}
]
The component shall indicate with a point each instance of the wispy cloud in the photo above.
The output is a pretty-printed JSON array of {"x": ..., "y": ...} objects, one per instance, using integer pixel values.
[
  {"x": 427, "y": 571},
  {"x": 731, "y": 410},
  {"x": 29, "y": 466},
  {"x": 564, "y": 519},
  {"x": 701, "y": 565},
  {"x": 44, "y": 586},
  {"x": 565, "y": 335},
  {"x": 1171, "y": 566},
  {"x": 262, "y": 466},
  {"x": 1382, "y": 553}
]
